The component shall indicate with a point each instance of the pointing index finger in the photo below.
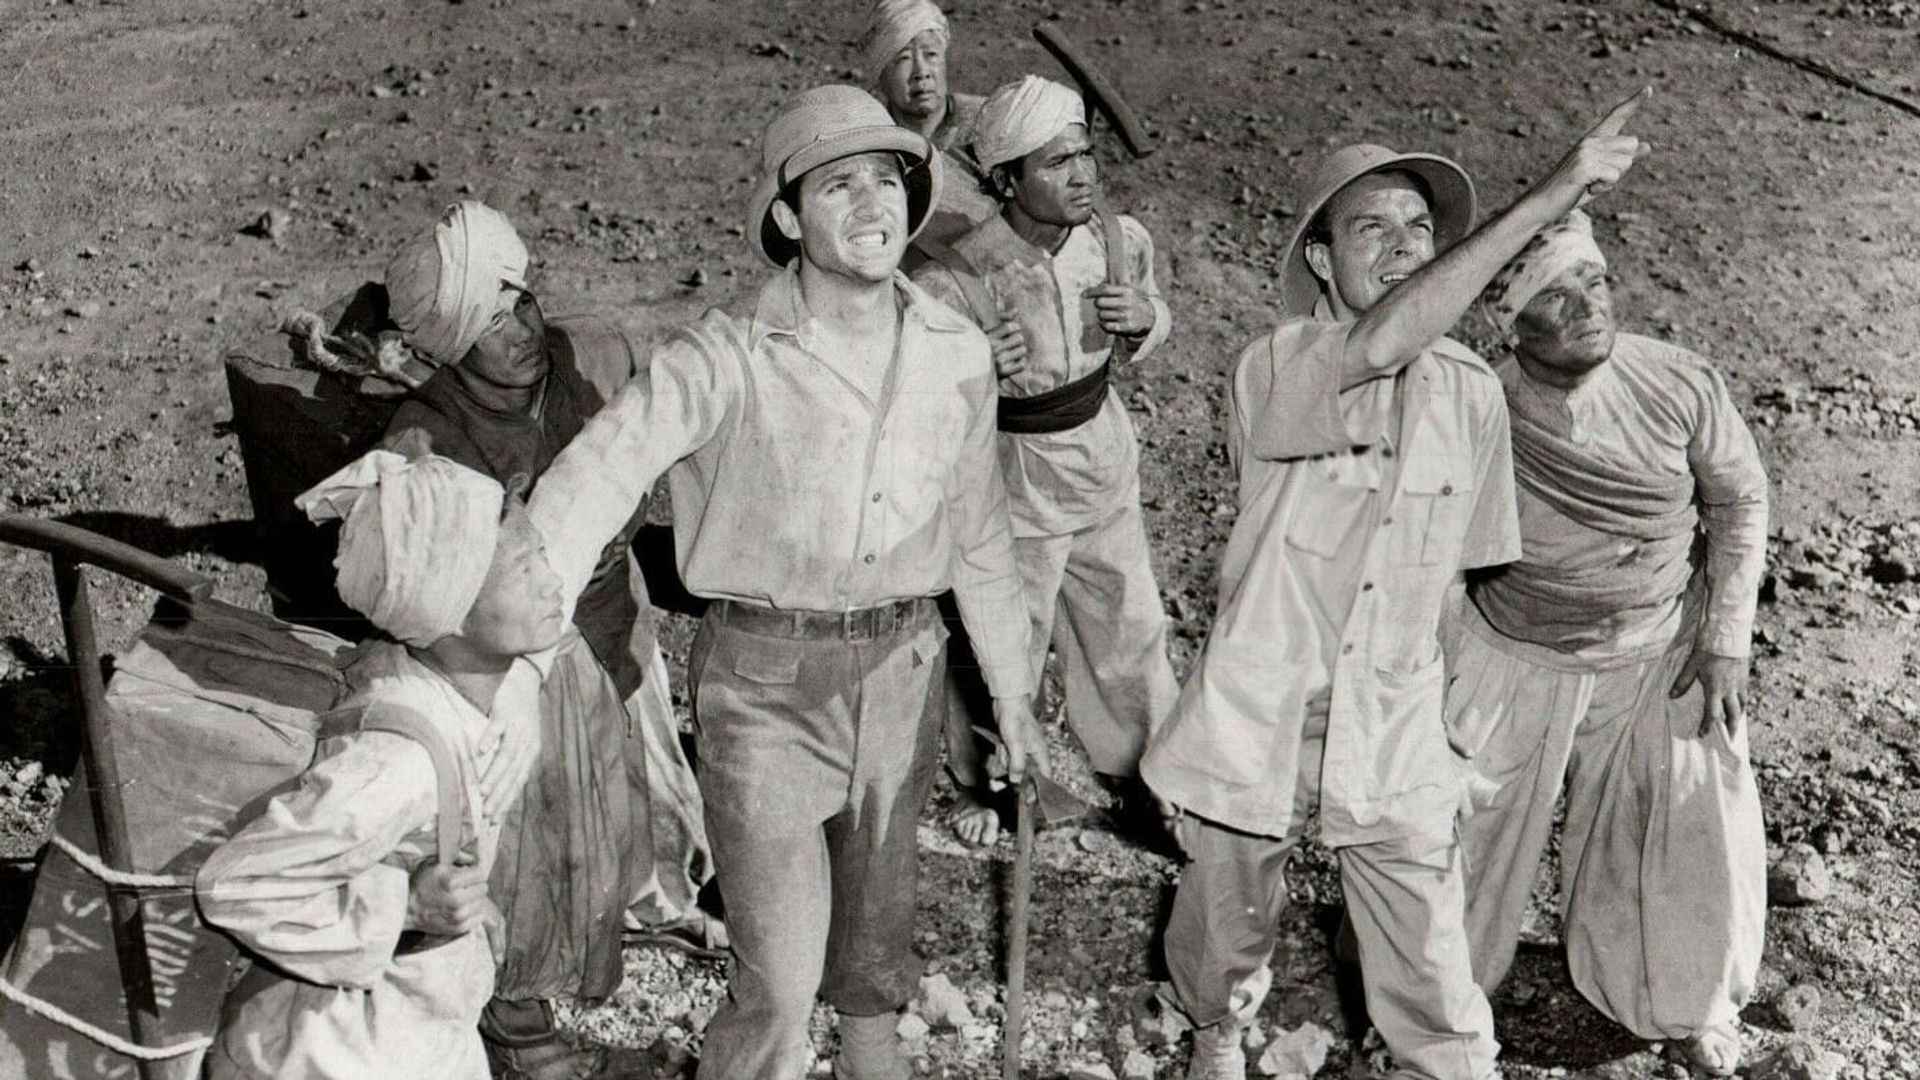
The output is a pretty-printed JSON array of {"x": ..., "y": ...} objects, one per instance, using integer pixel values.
[{"x": 1616, "y": 119}]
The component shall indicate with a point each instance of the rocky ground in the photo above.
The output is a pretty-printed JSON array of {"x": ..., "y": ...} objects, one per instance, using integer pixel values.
[{"x": 177, "y": 176}]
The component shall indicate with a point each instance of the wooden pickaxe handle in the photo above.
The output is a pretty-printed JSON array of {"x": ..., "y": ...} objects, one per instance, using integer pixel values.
[
  {"x": 1094, "y": 85},
  {"x": 1017, "y": 933}
]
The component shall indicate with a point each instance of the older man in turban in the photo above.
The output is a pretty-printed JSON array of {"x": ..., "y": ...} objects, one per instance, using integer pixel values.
[
  {"x": 1374, "y": 470},
  {"x": 1610, "y": 663},
  {"x": 904, "y": 53},
  {"x": 610, "y": 814},
  {"x": 1037, "y": 278},
  {"x": 326, "y": 881}
]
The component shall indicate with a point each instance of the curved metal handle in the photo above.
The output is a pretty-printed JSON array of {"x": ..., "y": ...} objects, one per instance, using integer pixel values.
[{"x": 79, "y": 545}]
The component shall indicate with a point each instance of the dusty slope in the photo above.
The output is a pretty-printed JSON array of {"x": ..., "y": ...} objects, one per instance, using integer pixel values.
[{"x": 1777, "y": 229}]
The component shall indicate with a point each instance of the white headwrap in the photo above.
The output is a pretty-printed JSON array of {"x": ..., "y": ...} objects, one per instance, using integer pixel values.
[
  {"x": 417, "y": 543},
  {"x": 892, "y": 26},
  {"x": 1020, "y": 117},
  {"x": 444, "y": 285},
  {"x": 1566, "y": 243}
]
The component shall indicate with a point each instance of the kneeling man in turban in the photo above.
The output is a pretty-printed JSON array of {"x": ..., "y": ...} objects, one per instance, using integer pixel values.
[
  {"x": 1610, "y": 662},
  {"x": 326, "y": 884}
]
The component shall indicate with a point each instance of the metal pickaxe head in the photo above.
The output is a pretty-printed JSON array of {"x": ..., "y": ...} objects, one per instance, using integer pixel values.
[{"x": 1053, "y": 802}]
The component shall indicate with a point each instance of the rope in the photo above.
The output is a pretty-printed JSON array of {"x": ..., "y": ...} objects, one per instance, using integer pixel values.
[
  {"x": 91, "y": 864},
  {"x": 47, "y": 1010},
  {"x": 1804, "y": 63}
]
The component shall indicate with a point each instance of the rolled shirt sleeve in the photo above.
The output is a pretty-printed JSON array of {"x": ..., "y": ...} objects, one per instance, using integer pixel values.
[
  {"x": 1731, "y": 484},
  {"x": 303, "y": 884},
  {"x": 1287, "y": 394}
]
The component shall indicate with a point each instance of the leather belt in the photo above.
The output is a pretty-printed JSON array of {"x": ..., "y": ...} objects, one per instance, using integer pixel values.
[{"x": 863, "y": 623}]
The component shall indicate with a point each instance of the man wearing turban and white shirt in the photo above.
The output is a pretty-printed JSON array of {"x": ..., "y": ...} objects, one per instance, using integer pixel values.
[
  {"x": 610, "y": 816},
  {"x": 904, "y": 54},
  {"x": 1034, "y": 276},
  {"x": 325, "y": 881},
  {"x": 1374, "y": 470},
  {"x": 829, "y": 448},
  {"x": 1610, "y": 662}
]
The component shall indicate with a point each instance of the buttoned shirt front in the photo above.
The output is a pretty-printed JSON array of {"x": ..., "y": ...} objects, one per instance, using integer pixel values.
[
  {"x": 801, "y": 481},
  {"x": 1358, "y": 509},
  {"x": 1062, "y": 481}
]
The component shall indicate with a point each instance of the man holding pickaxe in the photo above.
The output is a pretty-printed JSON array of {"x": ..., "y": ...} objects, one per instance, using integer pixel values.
[{"x": 1065, "y": 290}]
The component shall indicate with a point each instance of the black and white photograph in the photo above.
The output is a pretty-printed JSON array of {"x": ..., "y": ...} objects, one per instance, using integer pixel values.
[{"x": 963, "y": 539}]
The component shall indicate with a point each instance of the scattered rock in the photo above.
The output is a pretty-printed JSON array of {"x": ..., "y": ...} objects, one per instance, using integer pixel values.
[
  {"x": 270, "y": 225},
  {"x": 913, "y": 1028},
  {"x": 1159, "y": 1024},
  {"x": 943, "y": 1004},
  {"x": 1138, "y": 1065},
  {"x": 86, "y": 309},
  {"x": 1098, "y": 1070},
  {"x": 1798, "y": 1060},
  {"x": 1799, "y": 878},
  {"x": 423, "y": 173},
  {"x": 695, "y": 279},
  {"x": 1296, "y": 1054},
  {"x": 1799, "y": 1007}
]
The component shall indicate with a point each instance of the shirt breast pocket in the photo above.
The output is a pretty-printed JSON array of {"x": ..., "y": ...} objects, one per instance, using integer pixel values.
[{"x": 1438, "y": 491}]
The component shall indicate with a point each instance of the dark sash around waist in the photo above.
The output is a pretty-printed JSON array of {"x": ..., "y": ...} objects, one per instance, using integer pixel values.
[{"x": 1062, "y": 408}]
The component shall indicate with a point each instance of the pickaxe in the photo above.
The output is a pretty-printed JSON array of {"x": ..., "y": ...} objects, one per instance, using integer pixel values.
[{"x": 1045, "y": 798}]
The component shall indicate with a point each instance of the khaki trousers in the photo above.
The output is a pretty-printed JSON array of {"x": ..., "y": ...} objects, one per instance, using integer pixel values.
[
  {"x": 1405, "y": 901},
  {"x": 1091, "y": 595},
  {"x": 1663, "y": 857},
  {"x": 817, "y": 755}
]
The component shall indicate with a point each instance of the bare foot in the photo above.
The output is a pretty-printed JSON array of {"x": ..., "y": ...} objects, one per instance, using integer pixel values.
[
  {"x": 974, "y": 821},
  {"x": 1715, "y": 1051}
]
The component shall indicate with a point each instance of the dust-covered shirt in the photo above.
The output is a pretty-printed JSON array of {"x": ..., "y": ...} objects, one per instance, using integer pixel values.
[
  {"x": 1357, "y": 510},
  {"x": 1653, "y": 417},
  {"x": 1062, "y": 481},
  {"x": 801, "y": 480}
]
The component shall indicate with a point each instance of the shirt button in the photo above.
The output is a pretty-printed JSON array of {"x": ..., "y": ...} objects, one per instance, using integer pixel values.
[
  {"x": 869, "y": 559},
  {"x": 876, "y": 496},
  {"x": 1386, "y": 451},
  {"x": 1346, "y": 649},
  {"x": 1446, "y": 489},
  {"x": 1389, "y": 521},
  {"x": 1366, "y": 586}
]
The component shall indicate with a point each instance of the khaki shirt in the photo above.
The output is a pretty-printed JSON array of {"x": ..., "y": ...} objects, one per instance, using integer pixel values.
[
  {"x": 801, "y": 481},
  {"x": 1358, "y": 510},
  {"x": 1062, "y": 481}
]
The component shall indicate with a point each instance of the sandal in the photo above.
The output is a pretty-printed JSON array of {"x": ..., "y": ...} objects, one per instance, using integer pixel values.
[
  {"x": 699, "y": 935},
  {"x": 1715, "y": 1051}
]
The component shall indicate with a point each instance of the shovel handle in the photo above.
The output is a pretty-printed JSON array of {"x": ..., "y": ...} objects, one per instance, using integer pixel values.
[{"x": 1017, "y": 933}]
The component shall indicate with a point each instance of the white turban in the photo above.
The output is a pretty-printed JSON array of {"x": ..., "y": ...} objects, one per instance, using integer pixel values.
[
  {"x": 1566, "y": 243},
  {"x": 892, "y": 27},
  {"x": 1021, "y": 117},
  {"x": 417, "y": 543},
  {"x": 444, "y": 285}
]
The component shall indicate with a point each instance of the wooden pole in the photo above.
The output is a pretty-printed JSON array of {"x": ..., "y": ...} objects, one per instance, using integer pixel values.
[
  {"x": 1017, "y": 934},
  {"x": 109, "y": 808}
]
